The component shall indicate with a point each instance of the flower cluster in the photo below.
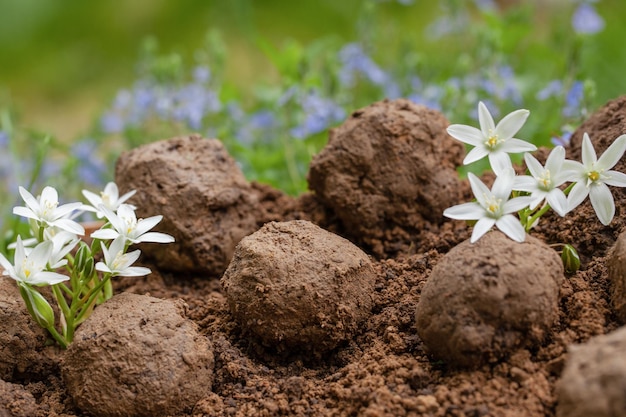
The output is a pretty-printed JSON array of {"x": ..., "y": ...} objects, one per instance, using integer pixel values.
[
  {"x": 532, "y": 195},
  {"x": 56, "y": 255}
]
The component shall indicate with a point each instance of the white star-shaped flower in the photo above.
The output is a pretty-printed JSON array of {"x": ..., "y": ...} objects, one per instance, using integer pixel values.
[
  {"x": 45, "y": 210},
  {"x": 493, "y": 207},
  {"x": 496, "y": 142},
  {"x": 593, "y": 176},
  {"x": 110, "y": 198},
  {"x": 118, "y": 263},
  {"x": 31, "y": 269},
  {"x": 544, "y": 182},
  {"x": 125, "y": 224}
]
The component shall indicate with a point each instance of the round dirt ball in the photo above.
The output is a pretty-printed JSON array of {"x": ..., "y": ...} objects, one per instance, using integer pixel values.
[
  {"x": 390, "y": 167},
  {"x": 483, "y": 299},
  {"x": 616, "y": 263},
  {"x": 138, "y": 356},
  {"x": 297, "y": 286},
  {"x": 22, "y": 341},
  {"x": 593, "y": 381}
]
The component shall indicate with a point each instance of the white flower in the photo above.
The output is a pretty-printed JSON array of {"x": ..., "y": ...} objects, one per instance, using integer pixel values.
[
  {"x": 110, "y": 198},
  {"x": 118, "y": 263},
  {"x": 493, "y": 141},
  {"x": 30, "y": 269},
  {"x": 45, "y": 209},
  {"x": 545, "y": 181},
  {"x": 492, "y": 207},
  {"x": 593, "y": 176},
  {"x": 125, "y": 224}
]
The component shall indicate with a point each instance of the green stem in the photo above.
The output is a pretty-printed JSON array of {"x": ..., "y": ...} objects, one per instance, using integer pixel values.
[
  {"x": 58, "y": 337},
  {"x": 89, "y": 303}
]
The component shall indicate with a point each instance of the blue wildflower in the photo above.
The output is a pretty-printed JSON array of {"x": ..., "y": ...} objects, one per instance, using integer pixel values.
[
  {"x": 319, "y": 113},
  {"x": 355, "y": 61},
  {"x": 4, "y": 139},
  {"x": 586, "y": 20},
  {"x": 553, "y": 89},
  {"x": 90, "y": 168},
  {"x": 573, "y": 100}
]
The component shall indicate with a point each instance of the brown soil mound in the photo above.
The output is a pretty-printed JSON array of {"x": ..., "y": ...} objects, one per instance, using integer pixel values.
[{"x": 383, "y": 368}]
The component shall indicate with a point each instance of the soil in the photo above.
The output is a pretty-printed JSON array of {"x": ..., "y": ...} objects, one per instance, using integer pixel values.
[{"x": 381, "y": 363}]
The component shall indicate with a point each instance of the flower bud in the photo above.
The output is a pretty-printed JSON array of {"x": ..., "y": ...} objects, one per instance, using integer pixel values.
[
  {"x": 88, "y": 268},
  {"x": 37, "y": 306},
  {"x": 82, "y": 254},
  {"x": 570, "y": 258}
]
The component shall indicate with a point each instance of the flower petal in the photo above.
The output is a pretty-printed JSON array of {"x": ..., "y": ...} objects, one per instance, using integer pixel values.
[
  {"x": 615, "y": 178},
  {"x": 555, "y": 159},
  {"x": 577, "y": 195},
  {"x": 475, "y": 154},
  {"x": 466, "y": 134},
  {"x": 25, "y": 212},
  {"x": 602, "y": 202},
  {"x": 69, "y": 225},
  {"x": 105, "y": 234},
  {"x": 481, "y": 227},
  {"x": 102, "y": 267},
  {"x": 515, "y": 145},
  {"x": 511, "y": 227},
  {"x": 511, "y": 124},
  {"x": 613, "y": 154},
  {"x": 134, "y": 271},
  {"x": 28, "y": 198},
  {"x": 155, "y": 237},
  {"x": 479, "y": 189},
  {"x": 588, "y": 153},
  {"x": 465, "y": 211},
  {"x": 487, "y": 126},
  {"x": 146, "y": 224},
  {"x": 47, "y": 277},
  {"x": 93, "y": 198},
  {"x": 516, "y": 204},
  {"x": 535, "y": 168},
  {"x": 500, "y": 162},
  {"x": 49, "y": 195},
  {"x": 557, "y": 201},
  {"x": 525, "y": 183}
]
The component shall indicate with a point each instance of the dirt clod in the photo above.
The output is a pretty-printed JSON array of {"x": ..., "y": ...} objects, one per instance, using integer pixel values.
[
  {"x": 616, "y": 263},
  {"x": 295, "y": 285},
  {"x": 138, "y": 355},
  {"x": 486, "y": 298},
  {"x": 22, "y": 341},
  {"x": 206, "y": 202},
  {"x": 594, "y": 379},
  {"x": 388, "y": 172}
]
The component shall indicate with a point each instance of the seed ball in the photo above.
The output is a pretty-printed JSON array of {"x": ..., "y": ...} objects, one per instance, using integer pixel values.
[
  {"x": 616, "y": 264},
  {"x": 22, "y": 340},
  {"x": 297, "y": 286},
  {"x": 593, "y": 381},
  {"x": 486, "y": 298},
  {"x": 138, "y": 355}
]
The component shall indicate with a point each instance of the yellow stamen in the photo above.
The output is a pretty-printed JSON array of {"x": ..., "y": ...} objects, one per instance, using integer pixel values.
[
  {"x": 594, "y": 175},
  {"x": 545, "y": 179}
]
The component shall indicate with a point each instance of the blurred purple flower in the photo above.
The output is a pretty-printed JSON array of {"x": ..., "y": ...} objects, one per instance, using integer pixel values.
[
  {"x": 4, "y": 139},
  {"x": 562, "y": 140},
  {"x": 202, "y": 74},
  {"x": 485, "y": 5},
  {"x": 355, "y": 61},
  {"x": 319, "y": 114},
  {"x": 112, "y": 122},
  {"x": 586, "y": 20},
  {"x": 91, "y": 168},
  {"x": 553, "y": 89},
  {"x": 573, "y": 100}
]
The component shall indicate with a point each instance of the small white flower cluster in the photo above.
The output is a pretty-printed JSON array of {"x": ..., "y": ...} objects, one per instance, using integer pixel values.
[
  {"x": 56, "y": 243},
  {"x": 56, "y": 234},
  {"x": 495, "y": 207}
]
